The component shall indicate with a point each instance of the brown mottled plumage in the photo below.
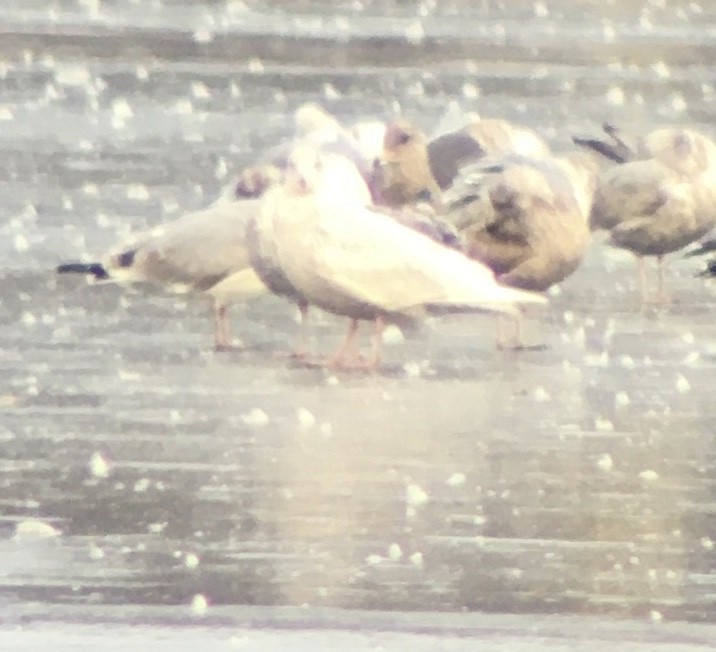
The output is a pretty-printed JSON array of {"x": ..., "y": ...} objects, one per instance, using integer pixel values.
[
  {"x": 413, "y": 167},
  {"x": 404, "y": 174},
  {"x": 661, "y": 199},
  {"x": 522, "y": 218}
]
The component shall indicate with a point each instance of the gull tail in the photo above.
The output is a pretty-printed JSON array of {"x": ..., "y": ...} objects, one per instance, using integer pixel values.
[
  {"x": 508, "y": 299},
  {"x": 498, "y": 298},
  {"x": 96, "y": 270},
  {"x": 516, "y": 295}
]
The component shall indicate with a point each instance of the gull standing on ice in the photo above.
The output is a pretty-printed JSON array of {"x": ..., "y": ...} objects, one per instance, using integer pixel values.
[
  {"x": 348, "y": 259},
  {"x": 660, "y": 198},
  {"x": 203, "y": 252}
]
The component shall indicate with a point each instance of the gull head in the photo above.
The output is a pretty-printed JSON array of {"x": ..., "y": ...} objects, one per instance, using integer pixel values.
[
  {"x": 254, "y": 181},
  {"x": 403, "y": 171},
  {"x": 401, "y": 137},
  {"x": 330, "y": 176},
  {"x": 304, "y": 170}
]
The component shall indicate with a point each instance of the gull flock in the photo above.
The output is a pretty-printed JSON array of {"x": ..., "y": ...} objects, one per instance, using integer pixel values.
[{"x": 381, "y": 223}]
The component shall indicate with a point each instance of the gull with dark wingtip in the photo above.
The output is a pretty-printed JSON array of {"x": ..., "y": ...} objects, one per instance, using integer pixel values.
[
  {"x": 204, "y": 252},
  {"x": 659, "y": 198}
]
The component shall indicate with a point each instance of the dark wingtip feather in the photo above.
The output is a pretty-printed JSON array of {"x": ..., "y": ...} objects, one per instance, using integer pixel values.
[
  {"x": 615, "y": 153},
  {"x": 93, "y": 269},
  {"x": 126, "y": 258}
]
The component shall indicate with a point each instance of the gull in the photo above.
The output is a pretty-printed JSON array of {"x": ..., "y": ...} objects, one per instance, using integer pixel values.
[
  {"x": 519, "y": 209},
  {"x": 522, "y": 218},
  {"x": 660, "y": 198},
  {"x": 525, "y": 218},
  {"x": 352, "y": 151},
  {"x": 203, "y": 252},
  {"x": 341, "y": 182},
  {"x": 349, "y": 259}
]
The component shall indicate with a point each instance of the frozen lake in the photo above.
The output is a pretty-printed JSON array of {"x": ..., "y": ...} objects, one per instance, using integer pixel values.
[{"x": 562, "y": 498}]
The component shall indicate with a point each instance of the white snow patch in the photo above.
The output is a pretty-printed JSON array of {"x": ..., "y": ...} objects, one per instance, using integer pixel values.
[{"x": 255, "y": 417}]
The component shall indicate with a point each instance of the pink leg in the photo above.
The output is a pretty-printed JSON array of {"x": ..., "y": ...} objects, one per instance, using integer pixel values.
[
  {"x": 509, "y": 331},
  {"x": 663, "y": 297},
  {"x": 340, "y": 357},
  {"x": 500, "y": 335},
  {"x": 643, "y": 285},
  {"x": 374, "y": 360},
  {"x": 518, "y": 322},
  {"x": 221, "y": 328},
  {"x": 301, "y": 351},
  {"x": 348, "y": 355},
  {"x": 222, "y": 334}
]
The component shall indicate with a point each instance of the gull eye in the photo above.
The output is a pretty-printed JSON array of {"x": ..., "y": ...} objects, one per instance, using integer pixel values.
[{"x": 403, "y": 138}]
